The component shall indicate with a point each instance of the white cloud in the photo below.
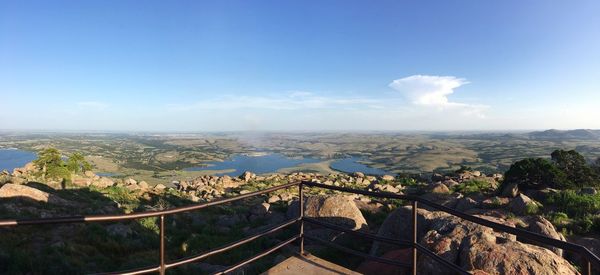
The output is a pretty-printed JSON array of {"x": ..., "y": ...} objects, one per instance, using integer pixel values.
[{"x": 433, "y": 91}]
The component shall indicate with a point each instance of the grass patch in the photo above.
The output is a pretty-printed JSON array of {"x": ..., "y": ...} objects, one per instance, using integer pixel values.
[{"x": 474, "y": 186}]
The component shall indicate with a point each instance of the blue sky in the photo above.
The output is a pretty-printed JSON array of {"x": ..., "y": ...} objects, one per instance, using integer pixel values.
[{"x": 299, "y": 65}]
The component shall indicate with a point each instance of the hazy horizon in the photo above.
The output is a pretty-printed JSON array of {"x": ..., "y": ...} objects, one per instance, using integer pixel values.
[{"x": 215, "y": 66}]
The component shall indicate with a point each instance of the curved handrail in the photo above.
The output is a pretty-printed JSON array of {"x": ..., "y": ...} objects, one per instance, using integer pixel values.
[{"x": 145, "y": 214}]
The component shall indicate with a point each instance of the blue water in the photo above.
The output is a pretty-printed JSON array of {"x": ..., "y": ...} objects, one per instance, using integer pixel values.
[
  {"x": 351, "y": 165},
  {"x": 256, "y": 164},
  {"x": 11, "y": 159},
  {"x": 106, "y": 174}
]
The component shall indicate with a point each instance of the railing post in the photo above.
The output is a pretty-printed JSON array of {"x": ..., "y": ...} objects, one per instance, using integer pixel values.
[
  {"x": 414, "y": 237},
  {"x": 162, "y": 244},
  {"x": 586, "y": 267},
  {"x": 301, "y": 211}
]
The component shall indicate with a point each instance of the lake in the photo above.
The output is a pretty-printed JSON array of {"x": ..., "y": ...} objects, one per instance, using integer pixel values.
[
  {"x": 256, "y": 164},
  {"x": 11, "y": 158},
  {"x": 271, "y": 163},
  {"x": 352, "y": 165}
]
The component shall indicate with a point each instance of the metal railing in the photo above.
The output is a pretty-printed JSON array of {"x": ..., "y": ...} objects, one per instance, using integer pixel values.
[{"x": 589, "y": 258}]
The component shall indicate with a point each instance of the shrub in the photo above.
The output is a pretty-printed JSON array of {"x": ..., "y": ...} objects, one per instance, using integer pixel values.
[
  {"x": 535, "y": 173},
  {"x": 474, "y": 186},
  {"x": 575, "y": 205},
  {"x": 558, "y": 218},
  {"x": 532, "y": 208},
  {"x": 575, "y": 167},
  {"x": 150, "y": 224}
]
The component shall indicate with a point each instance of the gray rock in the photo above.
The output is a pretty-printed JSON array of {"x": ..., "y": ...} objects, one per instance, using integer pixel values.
[
  {"x": 510, "y": 190},
  {"x": 260, "y": 209}
]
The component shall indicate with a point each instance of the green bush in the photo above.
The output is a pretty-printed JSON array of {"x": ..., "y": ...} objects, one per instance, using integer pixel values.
[
  {"x": 532, "y": 208},
  {"x": 150, "y": 224},
  {"x": 575, "y": 205},
  {"x": 535, "y": 173},
  {"x": 558, "y": 218},
  {"x": 474, "y": 186}
]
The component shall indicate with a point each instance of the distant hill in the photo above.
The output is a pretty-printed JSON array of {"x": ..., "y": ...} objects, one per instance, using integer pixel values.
[{"x": 579, "y": 134}]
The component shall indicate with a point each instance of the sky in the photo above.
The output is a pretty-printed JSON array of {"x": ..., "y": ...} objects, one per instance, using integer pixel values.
[{"x": 299, "y": 65}]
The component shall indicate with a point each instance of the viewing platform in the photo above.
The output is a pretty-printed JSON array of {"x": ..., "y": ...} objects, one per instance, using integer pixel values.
[{"x": 307, "y": 264}]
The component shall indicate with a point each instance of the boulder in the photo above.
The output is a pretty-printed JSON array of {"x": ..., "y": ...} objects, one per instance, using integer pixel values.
[
  {"x": 130, "y": 181},
  {"x": 228, "y": 182},
  {"x": 520, "y": 204},
  {"x": 339, "y": 210},
  {"x": 478, "y": 248},
  {"x": 485, "y": 251},
  {"x": 450, "y": 183},
  {"x": 30, "y": 167},
  {"x": 10, "y": 190},
  {"x": 359, "y": 174},
  {"x": 398, "y": 225},
  {"x": 510, "y": 190},
  {"x": 160, "y": 187},
  {"x": 143, "y": 185},
  {"x": 89, "y": 174},
  {"x": 274, "y": 199},
  {"x": 439, "y": 188},
  {"x": 260, "y": 209},
  {"x": 465, "y": 204},
  {"x": 387, "y": 177},
  {"x": 539, "y": 225},
  {"x": 247, "y": 176},
  {"x": 103, "y": 182}
]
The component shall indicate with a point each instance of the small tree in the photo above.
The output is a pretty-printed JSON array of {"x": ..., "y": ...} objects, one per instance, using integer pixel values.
[
  {"x": 535, "y": 173},
  {"x": 77, "y": 163},
  {"x": 575, "y": 167},
  {"x": 52, "y": 165},
  {"x": 596, "y": 167}
]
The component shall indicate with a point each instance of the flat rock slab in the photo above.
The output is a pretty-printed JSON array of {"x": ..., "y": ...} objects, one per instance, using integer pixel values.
[{"x": 307, "y": 265}]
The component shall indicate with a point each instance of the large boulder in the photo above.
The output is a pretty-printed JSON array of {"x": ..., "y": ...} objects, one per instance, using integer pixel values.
[
  {"x": 539, "y": 225},
  {"x": 471, "y": 246},
  {"x": 339, "y": 210},
  {"x": 398, "y": 225},
  {"x": 10, "y": 190},
  {"x": 510, "y": 190},
  {"x": 486, "y": 251},
  {"x": 522, "y": 205}
]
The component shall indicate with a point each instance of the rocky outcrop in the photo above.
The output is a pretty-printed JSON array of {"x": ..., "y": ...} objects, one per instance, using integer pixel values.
[
  {"x": 494, "y": 255},
  {"x": 522, "y": 205},
  {"x": 10, "y": 190},
  {"x": 473, "y": 247},
  {"x": 339, "y": 210},
  {"x": 539, "y": 225}
]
